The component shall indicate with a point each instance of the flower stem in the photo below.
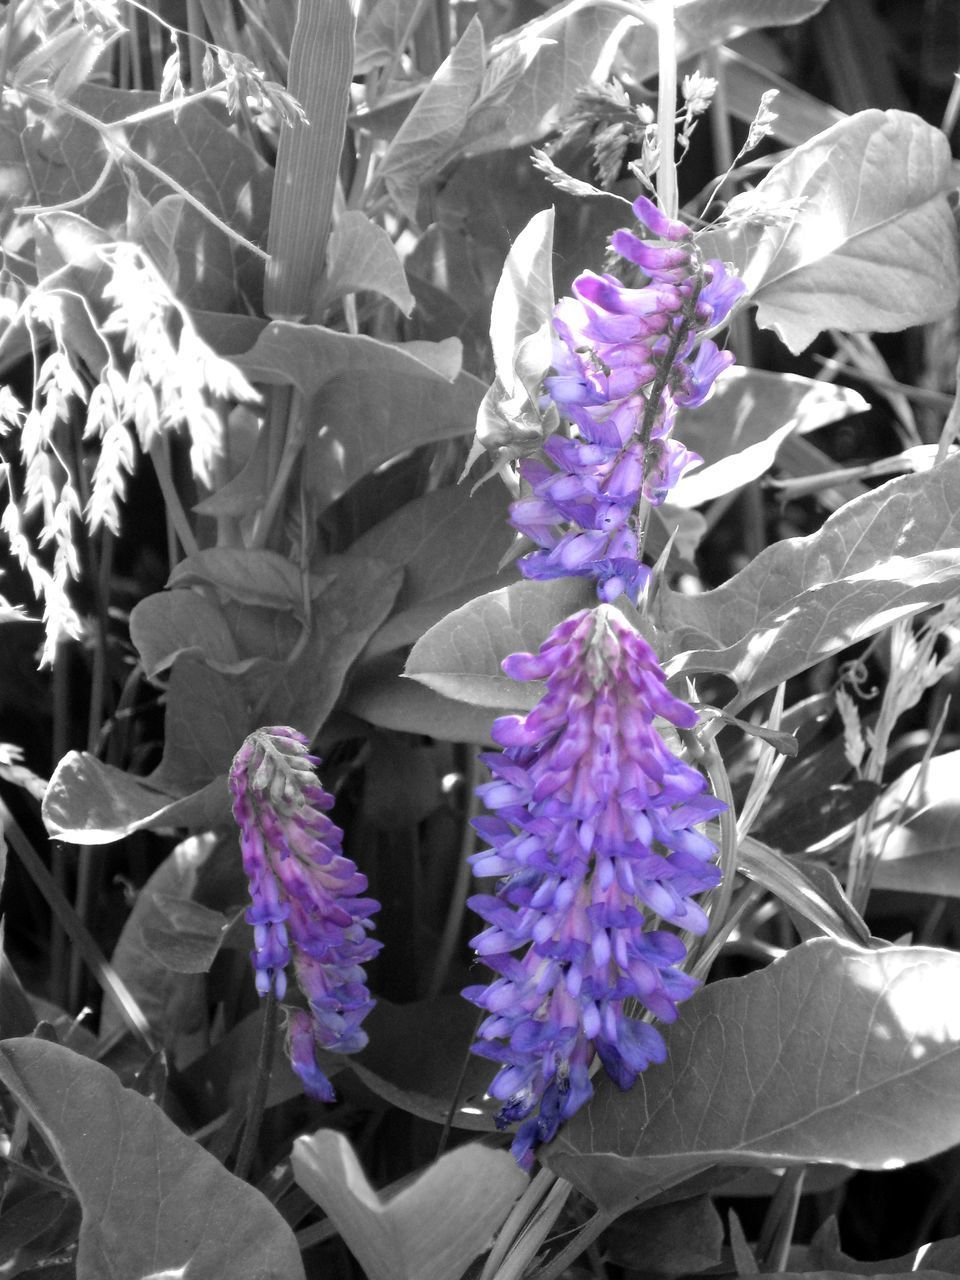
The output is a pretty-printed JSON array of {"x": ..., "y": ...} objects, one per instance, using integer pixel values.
[
  {"x": 667, "y": 108},
  {"x": 258, "y": 1098}
]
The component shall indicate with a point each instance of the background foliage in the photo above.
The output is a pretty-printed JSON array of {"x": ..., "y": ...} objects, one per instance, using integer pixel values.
[{"x": 244, "y": 360}]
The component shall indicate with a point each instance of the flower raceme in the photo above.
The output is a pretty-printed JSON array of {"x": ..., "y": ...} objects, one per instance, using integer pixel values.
[
  {"x": 593, "y": 824},
  {"x": 624, "y": 359},
  {"x": 305, "y": 899}
]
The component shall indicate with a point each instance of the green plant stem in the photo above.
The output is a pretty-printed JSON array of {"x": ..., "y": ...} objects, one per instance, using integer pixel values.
[
  {"x": 524, "y": 1248},
  {"x": 258, "y": 1098},
  {"x": 538, "y": 1187},
  {"x": 667, "y": 108},
  {"x": 589, "y": 1232},
  {"x": 773, "y": 1247},
  {"x": 160, "y": 457},
  {"x": 458, "y": 898}
]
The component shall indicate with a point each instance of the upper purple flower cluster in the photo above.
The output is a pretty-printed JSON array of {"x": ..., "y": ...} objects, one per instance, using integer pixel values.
[
  {"x": 624, "y": 359},
  {"x": 593, "y": 816},
  {"x": 305, "y": 903}
]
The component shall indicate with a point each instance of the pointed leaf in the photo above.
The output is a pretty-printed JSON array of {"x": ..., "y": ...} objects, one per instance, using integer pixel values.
[
  {"x": 450, "y": 544},
  {"x": 153, "y": 1200},
  {"x": 169, "y": 623},
  {"x": 182, "y": 935},
  {"x": 886, "y": 555},
  {"x": 375, "y": 400},
  {"x": 430, "y": 132},
  {"x": 831, "y": 1055},
  {"x": 360, "y": 255},
  {"x": 174, "y": 1005},
  {"x": 871, "y": 244},
  {"x": 741, "y": 427},
  {"x": 521, "y": 335},
  {"x": 384, "y": 31},
  {"x": 917, "y": 831},
  {"x": 460, "y": 657},
  {"x": 418, "y": 1059},
  {"x": 421, "y": 1232},
  {"x": 90, "y": 802}
]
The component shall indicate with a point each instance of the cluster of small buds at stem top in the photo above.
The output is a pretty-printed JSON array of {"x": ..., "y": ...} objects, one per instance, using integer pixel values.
[
  {"x": 306, "y": 905},
  {"x": 624, "y": 359},
  {"x": 593, "y": 823}
]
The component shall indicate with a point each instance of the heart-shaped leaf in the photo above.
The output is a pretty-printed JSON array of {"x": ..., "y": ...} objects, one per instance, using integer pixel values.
[{"x": 422, "y": 1232}]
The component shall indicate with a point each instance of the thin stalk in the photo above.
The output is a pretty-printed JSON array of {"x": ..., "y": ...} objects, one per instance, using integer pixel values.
[
  {"x": 258, "y": 1098},
  {"x": 667, "y": 108},
  {"x": 76, "y": 930},
  {"x": 58, "y": 859},
  {"x": 457, "y": 1090},
  {"x": 7, "y": 38},
  {"x": 773, "y": 1247},
  {"x": 526, "y": 1206},
  {"x": 458, "y": 898},
  {"x": 528, "y": 1243},
  {"x": 160, "y": 457},
  {"x": 589, "y": 1232},
  {"x": 196, "y": 44}
]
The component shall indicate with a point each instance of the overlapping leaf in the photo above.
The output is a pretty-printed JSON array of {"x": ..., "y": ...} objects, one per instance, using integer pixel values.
[
  {"x": 864, "y": 238},
  {"x": 886, "y": 555},
  {"x": 420, "y": 1232},
  {"x": 833, "y": 1054},
  {"x": 741, "y": 427}
]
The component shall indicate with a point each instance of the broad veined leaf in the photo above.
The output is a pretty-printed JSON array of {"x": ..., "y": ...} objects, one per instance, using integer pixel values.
[
  {"x": 384, "y": 31},
  {"x": 429, "y": 134},
  {"x": 379, "y": 694},
  {"x": 460, "y": 657},
  {"x": 418, "y": 1059},
  {"x": 174, "y": 1004},
  {"x": 886, "y": 555},
  {"x": 153, "y": 1200},
  {"x": 360, "y": 255},
  {"x": 868, "y": 240},
  {"x": 917, "y": 831},
  {"x": 182, "y": 935},
  {"x": 833, "y": 1055},
  {"x": 421, "y": 1231},
  {"x": 90, "y": 802},
  {"x": 550, "y": 58},
  {"x": 369, "y": 400},
  {"x": 741, "y": 427},
  {"x": 169, "y": 623},
  {"x": 450, "y": 545}
]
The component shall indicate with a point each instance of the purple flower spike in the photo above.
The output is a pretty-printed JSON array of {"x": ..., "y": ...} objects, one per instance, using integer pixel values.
[
  {"x": 305, "y": 903},
  {"x": 592, "y": 828},
  {"x": 624, "y": 359}
]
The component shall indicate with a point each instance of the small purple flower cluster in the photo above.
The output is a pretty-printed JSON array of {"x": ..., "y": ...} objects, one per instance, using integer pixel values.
[
  {"x": 624, "y": 359},
  {"x": 305, "y": 903},
  {"x": 593, "y": 818}
]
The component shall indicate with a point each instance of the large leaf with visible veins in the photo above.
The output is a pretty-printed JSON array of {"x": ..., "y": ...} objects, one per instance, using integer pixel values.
[
  {"x": 834, "y": 1055},
  {"x": 154, "y": 1202},
  {"x": 883, "y": 556},
  {"x": 867, "y": 240}
]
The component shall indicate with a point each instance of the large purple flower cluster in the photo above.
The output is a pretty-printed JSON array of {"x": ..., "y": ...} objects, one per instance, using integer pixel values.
[
  {"x": 305, "y": 898},
  {"x": 593, "y": 820},
  {"x": 624, "y": 360}
]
